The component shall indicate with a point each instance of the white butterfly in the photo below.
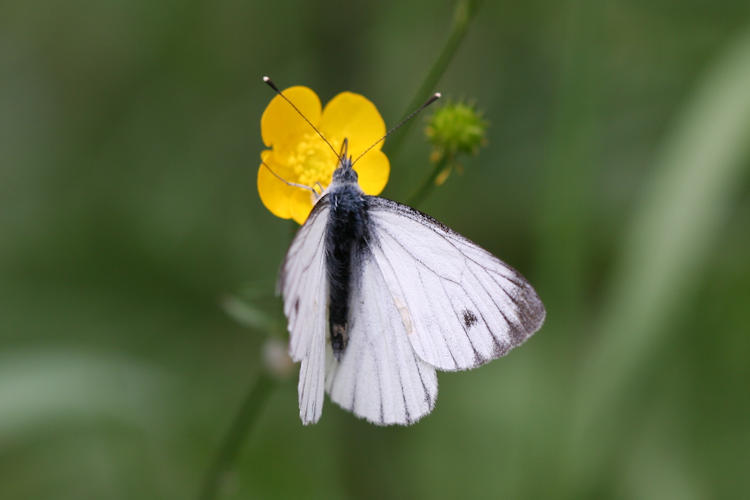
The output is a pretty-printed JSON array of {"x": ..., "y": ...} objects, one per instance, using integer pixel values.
[{"x": 379, "y": 296}]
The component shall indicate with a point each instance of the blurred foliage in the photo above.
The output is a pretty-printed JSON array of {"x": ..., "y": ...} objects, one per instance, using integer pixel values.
[{"x": 615, "y": 178}]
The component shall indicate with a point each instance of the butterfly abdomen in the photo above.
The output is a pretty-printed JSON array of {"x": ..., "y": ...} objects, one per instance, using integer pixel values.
[{"x": 346, "y": 236}]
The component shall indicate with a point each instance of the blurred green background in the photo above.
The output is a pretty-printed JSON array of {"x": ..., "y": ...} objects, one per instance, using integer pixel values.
[{"x": 615, "y": 178}]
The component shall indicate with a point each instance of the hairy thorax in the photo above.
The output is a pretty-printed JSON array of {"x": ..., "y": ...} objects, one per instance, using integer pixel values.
[{"x": 346, "y": 245}]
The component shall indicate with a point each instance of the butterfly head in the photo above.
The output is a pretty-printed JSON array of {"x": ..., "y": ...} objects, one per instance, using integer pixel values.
[{"x": 344, "y": 173}]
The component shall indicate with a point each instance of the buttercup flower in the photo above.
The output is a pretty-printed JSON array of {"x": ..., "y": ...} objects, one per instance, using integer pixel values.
[{"x": 297, "y": 154}]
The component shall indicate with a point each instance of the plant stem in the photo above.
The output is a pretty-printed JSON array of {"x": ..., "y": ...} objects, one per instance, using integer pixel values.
[
  {"x": 429, "y": 182},
  {"x": 462, "y": 15},
  {"x": 235, "y": 436}
]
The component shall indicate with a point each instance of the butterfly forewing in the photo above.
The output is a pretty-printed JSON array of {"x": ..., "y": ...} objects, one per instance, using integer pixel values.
[{"x": 461, "y": 306}]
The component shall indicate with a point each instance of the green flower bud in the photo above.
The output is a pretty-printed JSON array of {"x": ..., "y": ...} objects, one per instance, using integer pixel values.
[{"x": 456, "y": 128}]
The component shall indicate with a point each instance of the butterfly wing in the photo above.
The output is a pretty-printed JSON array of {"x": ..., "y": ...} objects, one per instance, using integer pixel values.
[
  {"x": 424, "y": 297},
  {"x": 379, "y": 377},
  {"x": 461, "y": 306},
  {"x": 304, "y": 286}
]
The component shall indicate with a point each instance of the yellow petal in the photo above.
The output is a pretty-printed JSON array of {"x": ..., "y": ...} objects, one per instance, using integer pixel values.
[
  {"x": 354, "y": 117},
  {"x": 274, "y": 193},
  {"x": 280, "y": 124},
  {"x": 373, "y": 170},
  {"x": 301, "y": 204}
]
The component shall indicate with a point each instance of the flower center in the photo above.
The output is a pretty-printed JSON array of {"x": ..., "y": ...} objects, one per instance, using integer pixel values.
[{"x": 313, "y": 161}]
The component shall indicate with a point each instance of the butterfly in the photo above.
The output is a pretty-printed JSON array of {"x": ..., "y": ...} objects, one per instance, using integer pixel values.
[{"x": 379, "y": 296}]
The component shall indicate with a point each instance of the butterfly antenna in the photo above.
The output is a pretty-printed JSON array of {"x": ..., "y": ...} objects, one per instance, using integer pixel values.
[
  {"x": 434, "y": 97},
  {"x": 270, "y": 83},
  {"x": 293, "y": 184}
]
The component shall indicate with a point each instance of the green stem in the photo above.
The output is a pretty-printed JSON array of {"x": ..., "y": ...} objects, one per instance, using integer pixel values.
[
  {"x": 462, "y": 15},
  {"x": 235, "y": 436},
  {"x": 429, "y": 182}
]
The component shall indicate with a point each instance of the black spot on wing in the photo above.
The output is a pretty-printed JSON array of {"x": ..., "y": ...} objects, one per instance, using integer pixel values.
[
  {"x": 470, "y": 319},
  {"x": 387, "y": 260},
  {"x": 478, "y": 358}
]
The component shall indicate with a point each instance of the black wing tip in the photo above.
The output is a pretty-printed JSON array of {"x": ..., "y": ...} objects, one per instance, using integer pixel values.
[{"x": 533, "y": 311}]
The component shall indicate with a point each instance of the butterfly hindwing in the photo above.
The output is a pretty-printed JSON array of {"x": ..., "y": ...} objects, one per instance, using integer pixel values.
[
  {"x": 461, "y": 306},
  {"x": 379, "y": 377}
]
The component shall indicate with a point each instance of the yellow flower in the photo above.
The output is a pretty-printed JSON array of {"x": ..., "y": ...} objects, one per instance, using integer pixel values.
[{"x": 299, "y": 155}]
